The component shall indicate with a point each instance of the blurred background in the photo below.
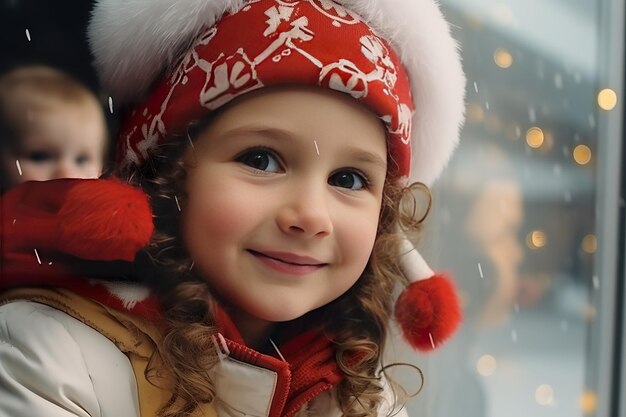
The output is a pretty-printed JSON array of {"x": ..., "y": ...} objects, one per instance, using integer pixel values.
[
  {"x": 47, "y": 32},
  {"x": 529, "y": 217}
]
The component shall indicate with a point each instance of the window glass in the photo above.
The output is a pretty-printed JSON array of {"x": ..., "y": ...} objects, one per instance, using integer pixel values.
[{"x": 515, "y": 216}]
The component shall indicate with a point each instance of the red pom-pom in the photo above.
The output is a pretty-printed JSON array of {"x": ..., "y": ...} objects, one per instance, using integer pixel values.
[
  {"x": 104, "y": 220},
  {"x": 428, "y": 312}
]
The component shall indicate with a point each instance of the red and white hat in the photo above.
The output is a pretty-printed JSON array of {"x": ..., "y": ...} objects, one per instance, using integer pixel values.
[{"x": 173, "y": 61}]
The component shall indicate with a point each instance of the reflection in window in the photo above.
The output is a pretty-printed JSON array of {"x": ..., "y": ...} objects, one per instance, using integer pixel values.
[{"x": 514, "y": 215}]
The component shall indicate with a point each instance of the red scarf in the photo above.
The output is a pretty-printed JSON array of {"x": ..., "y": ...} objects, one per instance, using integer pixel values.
[{"x": 78, "y": 234}]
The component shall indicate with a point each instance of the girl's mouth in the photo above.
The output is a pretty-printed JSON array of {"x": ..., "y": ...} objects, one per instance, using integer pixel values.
[{"x": 288, "y": 263}]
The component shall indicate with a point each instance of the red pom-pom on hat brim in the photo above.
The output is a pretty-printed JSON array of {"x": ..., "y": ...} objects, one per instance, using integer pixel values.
[{"x": 428, "y": 312}]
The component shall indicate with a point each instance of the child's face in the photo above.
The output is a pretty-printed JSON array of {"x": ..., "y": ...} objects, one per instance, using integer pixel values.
[
  {"x": 494, "y": 222},
  {"x": 279, "y": 216},
  {"x": 67, "y": 141}
]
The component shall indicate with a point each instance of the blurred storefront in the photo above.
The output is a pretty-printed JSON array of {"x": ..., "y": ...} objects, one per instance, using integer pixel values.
[{"x": 529, "y": 215}]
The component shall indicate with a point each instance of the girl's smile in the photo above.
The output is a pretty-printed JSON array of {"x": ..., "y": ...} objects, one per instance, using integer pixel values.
[
  {"x": 288, "y": 263},
  {"x": 277, "y": 229}
]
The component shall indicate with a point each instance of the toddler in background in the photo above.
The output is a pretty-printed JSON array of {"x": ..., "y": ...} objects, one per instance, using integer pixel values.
[{"x": 51, "y": 126}]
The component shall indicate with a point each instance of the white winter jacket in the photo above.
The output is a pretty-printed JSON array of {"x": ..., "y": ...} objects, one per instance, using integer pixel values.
[{"x": 52, "y": 365}]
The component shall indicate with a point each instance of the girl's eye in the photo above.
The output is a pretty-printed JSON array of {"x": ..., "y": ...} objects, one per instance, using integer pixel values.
[
  {"x": 348, "y": 179},
  {"x": 261, "y": 159},
  {"x": 39, "y": 156}
]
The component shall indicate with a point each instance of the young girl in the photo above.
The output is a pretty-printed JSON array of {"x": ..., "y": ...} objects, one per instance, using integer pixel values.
[{"x": 274, "y": 140}]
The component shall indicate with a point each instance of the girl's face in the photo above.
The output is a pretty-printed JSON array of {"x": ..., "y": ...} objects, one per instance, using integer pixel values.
[{"x": 284, "y": 192}]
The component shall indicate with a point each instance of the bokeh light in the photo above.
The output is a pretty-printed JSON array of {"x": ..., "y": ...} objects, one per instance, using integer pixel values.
[
  {"x": 588, "y": 401},
  {"x": 582, "y": 154},
  {"x": 535, "y": 137},
  {"x": 503, "y": 58},
  {"x": 544, "y": 394},
  {"x": 589, "y": 243},
  {"x": 536, "y": 239},
  {"x": 486, "y": 365},
  {"x": 607, "y": 99}
]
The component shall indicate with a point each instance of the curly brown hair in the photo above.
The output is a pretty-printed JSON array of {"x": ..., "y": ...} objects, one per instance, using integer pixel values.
[{"x": 360, "y": 317}]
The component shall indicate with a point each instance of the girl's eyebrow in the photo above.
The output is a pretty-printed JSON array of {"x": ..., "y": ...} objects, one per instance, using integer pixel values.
[
  {"x": 366, "y": 157},
  {"x": 268, "y": 132},
  {"x": 352, "y": 152}
]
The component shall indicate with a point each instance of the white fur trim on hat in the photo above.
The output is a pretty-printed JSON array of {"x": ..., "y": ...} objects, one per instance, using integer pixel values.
[{"x": 134, "y": 41}]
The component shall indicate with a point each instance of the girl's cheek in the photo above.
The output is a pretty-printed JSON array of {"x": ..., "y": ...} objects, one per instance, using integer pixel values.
[
  {"x": 217, "y": 205},
  {"x": 359, "y": 238}
]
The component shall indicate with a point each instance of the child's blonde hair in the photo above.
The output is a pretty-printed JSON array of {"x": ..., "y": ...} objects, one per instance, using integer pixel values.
[
  {"x": 31, "y": 89},
  {"x": 360, "y": 317}
]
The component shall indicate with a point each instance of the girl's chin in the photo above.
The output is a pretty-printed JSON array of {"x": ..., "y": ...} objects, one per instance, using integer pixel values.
[
  {"x": 276, "y": 310},
  {"x": 262, "y": 319},
  {"x": 276, "y": 317}
]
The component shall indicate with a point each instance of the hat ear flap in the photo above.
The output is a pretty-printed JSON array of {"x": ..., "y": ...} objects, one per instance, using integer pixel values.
[{"x": 428, "y": 310}]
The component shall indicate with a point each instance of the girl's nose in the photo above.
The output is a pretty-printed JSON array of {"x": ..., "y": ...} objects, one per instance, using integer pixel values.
[{"x": 305, "y": 213}]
